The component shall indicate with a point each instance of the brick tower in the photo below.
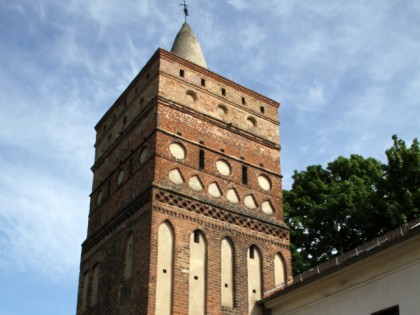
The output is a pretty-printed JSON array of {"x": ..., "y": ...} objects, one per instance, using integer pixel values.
[{"x": 186, "y": 212}]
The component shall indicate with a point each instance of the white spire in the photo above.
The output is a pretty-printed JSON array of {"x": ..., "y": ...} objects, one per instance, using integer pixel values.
[{"x": 187, "y": 46}]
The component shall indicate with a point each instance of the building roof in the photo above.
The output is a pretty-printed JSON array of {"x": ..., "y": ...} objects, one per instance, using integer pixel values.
[
  {"x": 186, "y": 45},
  {"x": 368, "y": 249}
]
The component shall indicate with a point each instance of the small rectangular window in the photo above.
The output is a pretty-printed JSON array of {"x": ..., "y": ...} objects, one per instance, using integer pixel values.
[
  {"x": 201, "y": 160},
  {"x": 243, "y": 100},
  {"x": 244, "y": 175},
  {"x": 223, "y": 90},
  {"x": 181, "y": 73},
  {"x": 197, "y": 237},
  {"x": 203, "y": 82},
  {"x": 262, "y": 109},
  {"x": 395, "y": 310}
]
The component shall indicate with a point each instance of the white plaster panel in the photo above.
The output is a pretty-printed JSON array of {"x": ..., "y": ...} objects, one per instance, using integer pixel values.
[
  {"x": 250, "y": 202},
  {"x": 175, "y": 177},
  {"x": 177, "y": 150},
  {"x": 197, "y": 284},
  {"x": 195, "y": 183},
  {"x": 164, "y": 270},
  {"x": 232, "y": 196},
  {"x": 214, "y": 190}
]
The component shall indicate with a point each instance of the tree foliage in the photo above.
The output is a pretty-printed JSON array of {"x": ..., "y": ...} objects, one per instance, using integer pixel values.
[{"x": 334, "y": 209}]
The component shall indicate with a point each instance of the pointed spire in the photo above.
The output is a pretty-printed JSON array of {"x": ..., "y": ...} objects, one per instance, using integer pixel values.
[{"x": 187, "y": 46}]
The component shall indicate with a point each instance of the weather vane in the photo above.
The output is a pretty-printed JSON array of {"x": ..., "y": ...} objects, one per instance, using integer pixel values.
[{"x": 185, "y": 10}]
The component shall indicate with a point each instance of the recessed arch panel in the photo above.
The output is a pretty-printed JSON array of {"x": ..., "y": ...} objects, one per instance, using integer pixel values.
[
  {"x": 279, "y": 270},
  {"x": 164, "y": 273},
  {"x": 197, "y": 277},
  {"x": 227, "y": 275},
  {"x": 254, "y": 280}
]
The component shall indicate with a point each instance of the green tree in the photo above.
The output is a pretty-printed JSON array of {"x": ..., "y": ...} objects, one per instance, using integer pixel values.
[
  {"x": 402, "y": 187},
  {"x": 332, "y": 210},
  {"x": 353, "y": 200}
]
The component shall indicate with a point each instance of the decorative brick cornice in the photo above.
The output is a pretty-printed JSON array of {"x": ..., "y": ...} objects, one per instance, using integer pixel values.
[
  {"x": 249, "y": 223},
  {"x": 119, "y": 218}
]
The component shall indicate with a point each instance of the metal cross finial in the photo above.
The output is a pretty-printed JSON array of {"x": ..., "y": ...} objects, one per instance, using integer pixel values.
[{"x": 185, "y": 10}]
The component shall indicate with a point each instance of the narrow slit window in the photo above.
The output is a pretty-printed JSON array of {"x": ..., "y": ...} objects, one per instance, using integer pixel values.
[
  {"x": 197, "y": 236},
  {"x": 262, "y": 109},
  {"x": 223, "y": 90},
  {"x": 243, "y": 101},
  {"x": 201, "y": 159},
  {"x": 251, "y": 252},
  {"x": 244, "y": 175},
  {"x": 203, "y": 82},
  {"x": 181, "y": 73}
]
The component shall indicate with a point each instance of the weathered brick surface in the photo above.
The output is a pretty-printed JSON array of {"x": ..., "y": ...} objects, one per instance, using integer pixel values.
[{"x": 158, "y": 108}]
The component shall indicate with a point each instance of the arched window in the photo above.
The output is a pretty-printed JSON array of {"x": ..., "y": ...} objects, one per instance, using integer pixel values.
[
  {"x": 227, "y": 275},
  {"x": 128, "y": 270},
  {"x": 197, "y": 279},
  {"x": 95, "y": 286},
  {"x": 85, "y": 290},
  {"x": 164, "y": 283},
  {"x": 279, "y": 270},
  {"x": 254, "y": 280}
]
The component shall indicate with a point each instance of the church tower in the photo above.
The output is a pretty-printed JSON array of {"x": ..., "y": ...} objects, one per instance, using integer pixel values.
[{"x": 186, "y": 212}]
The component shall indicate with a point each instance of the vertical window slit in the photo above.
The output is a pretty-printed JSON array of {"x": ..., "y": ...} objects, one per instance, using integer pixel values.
[
  {"x": 196, "y": 236},
  {"x": 201, "y": 159},
  {"x": 244, "y": 175}
]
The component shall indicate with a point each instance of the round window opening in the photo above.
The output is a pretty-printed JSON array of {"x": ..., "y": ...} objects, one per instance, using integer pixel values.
[
  {"x": 120, "y": 177},
  {"x": 177, "y": 150},
  {"x": 223, "y": 167},
  {"x": 264, "y": 182}
]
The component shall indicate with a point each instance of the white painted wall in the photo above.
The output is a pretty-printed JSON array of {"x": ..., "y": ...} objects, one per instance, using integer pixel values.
[{"x": 388, "y": 278}]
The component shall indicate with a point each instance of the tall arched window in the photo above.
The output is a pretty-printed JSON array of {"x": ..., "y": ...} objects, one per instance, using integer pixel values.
[
  {"x": 95, "y": 286},
  {"x": 164, "y": 284},
  {"x": 128, "y": 271},
  {"x": 254, "y": 280},
  {"x": 279, "y": 270},
  {"x": 227, "y": 274},
  {"x": 85, "y": 290},
  {"x": 197, "y": 279}
]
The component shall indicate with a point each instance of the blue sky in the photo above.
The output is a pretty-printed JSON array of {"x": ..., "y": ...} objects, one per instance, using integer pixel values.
[{"x": 346, "y": 72}]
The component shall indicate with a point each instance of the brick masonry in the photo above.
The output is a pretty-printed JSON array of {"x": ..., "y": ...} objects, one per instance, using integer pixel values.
[{"x": 132, "y": 193}]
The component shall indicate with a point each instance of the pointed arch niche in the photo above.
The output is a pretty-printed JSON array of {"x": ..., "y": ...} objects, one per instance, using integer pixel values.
[
  {"x": 197, "y": 279},
  {"x": 279, "y": 270},
  {"x": 254, "y": 280},
  {"x": 227, "y": 276},
  {"x": 164, "y": 284},
  {"x": 95, "y": 286},
  {"x": 128, "y": 269}
]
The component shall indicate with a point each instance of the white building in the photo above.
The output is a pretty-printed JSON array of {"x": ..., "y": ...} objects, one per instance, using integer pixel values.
[{"x": 381, "y": 277}]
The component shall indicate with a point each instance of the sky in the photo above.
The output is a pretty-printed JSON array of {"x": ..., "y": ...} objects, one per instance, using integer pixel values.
[{"x": 347, "y": 74}]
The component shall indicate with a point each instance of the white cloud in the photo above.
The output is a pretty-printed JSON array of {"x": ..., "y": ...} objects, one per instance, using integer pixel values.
[
  {"x": 42, "y": 222},
  {"x": 239, "y": 4}
]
